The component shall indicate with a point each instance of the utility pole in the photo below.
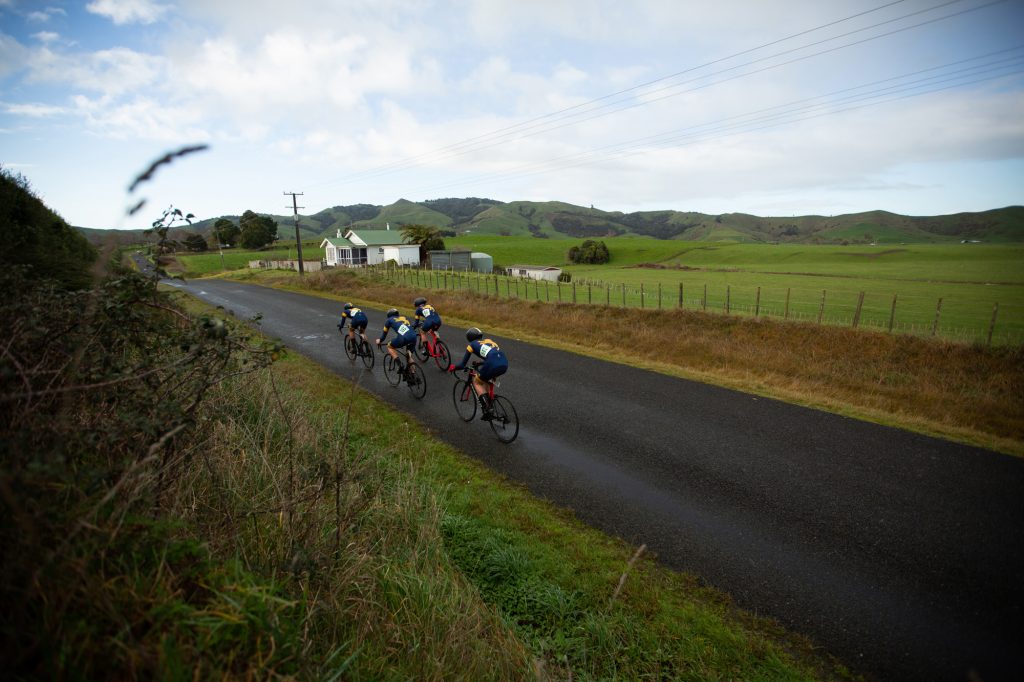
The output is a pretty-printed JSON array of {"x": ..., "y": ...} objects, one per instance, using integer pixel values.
[{"x": 298, "y": 239}]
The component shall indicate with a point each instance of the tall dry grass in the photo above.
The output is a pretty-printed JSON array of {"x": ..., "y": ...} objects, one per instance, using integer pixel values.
[{"x": 966, "y": 392}]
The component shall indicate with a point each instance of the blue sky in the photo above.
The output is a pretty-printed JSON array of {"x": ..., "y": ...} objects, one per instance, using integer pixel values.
[{"x": 772, "y": 108}]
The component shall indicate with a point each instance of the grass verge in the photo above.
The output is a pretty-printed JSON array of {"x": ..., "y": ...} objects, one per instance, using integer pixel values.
[{"x": 960, "y": 392}]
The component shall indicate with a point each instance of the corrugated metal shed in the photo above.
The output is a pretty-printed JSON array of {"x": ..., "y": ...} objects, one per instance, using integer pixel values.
[{"x": 451, "y": 260}]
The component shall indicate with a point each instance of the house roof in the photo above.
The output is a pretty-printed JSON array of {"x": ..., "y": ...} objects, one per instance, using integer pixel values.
[
  {"x": 377, "y": 237},
  {"x": 338, "y": 242},
  {"x": 533, "y": 267}
]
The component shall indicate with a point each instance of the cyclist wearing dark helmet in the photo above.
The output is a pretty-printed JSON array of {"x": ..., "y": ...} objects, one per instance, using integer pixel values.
[
  {"x": 405, "y": 335},
  {"x": 427, "y": 319},
  {"x": 493, "y": 366},
  {"x": 359, "y": 321}
]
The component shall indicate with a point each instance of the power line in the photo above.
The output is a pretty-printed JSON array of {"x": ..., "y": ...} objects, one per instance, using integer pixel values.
[
  {"x": 407, "y": 160},
  {"x": 557, "y": 120}
]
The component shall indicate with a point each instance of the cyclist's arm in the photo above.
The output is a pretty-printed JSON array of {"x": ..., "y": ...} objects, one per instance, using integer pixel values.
[
  {"x": 465, "y": 358},
  {"x": 383, "y": 334},
  {"x": 341, "y": 325}
]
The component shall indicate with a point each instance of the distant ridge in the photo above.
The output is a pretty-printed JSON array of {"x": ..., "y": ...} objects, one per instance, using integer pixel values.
[{"x": 558, "y": 220}]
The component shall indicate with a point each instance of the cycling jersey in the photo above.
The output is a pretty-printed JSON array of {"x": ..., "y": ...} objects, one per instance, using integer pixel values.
[
  {"x": 404, "y": 332},
  {"x": 494, "y": 361},
  {"x": 427, "y": 318},
  {"x": 357, "y": 316}
]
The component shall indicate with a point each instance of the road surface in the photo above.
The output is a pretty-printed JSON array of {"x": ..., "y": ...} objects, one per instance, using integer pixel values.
[{"x": 898, "y": 553}]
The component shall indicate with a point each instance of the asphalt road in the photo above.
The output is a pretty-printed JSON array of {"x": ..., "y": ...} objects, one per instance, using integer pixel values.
[{"x": 898, "y": 553}]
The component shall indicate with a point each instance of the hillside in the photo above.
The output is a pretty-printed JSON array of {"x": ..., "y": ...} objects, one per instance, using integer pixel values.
[{"x": 559, "y": 220}]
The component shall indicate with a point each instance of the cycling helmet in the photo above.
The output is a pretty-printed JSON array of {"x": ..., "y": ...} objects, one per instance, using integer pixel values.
[
  {"x": 348, "y": 306},
  {"x": 419, "y": 301},
  {"x": 474, "y": 334},
  {"x": 393, "y": 312}
]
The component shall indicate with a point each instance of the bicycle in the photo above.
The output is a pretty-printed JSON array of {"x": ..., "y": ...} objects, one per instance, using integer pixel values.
[
  {"x": 395, "y": 371},
  {"x": 504, "y": 420},
  {"x": 435, "y": 348},
  {"x": 358, "y": 347}
]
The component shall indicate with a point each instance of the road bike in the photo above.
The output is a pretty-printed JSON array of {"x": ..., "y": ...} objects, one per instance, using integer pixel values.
[
  {"x": 434, "y": 348},
  {"x": 396, "y": 371},
  {"x": 503, "y": 419},
  {"x": 358, "y": 347}
]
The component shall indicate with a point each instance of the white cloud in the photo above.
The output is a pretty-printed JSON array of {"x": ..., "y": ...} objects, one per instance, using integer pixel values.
[
  {"x": 128, "y": 11},
  {"x": 34, "y": 110},
  {"x": 46, "y": 36},
  {"x": 111, "y": 72}
]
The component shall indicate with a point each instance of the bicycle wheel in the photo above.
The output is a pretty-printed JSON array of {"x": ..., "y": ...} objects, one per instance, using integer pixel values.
[
  {"x": 506, "y": 422},
  {"x": 465, "y": 400},
  {"x": 416, "y": 380},
  {"x": 422, "y": 352},
  {"x": 442, "y": 357},
  {"x": 350, "y": 348},
  {"x": 366, "y": 353},
  {"x": 392, "y": 369}
]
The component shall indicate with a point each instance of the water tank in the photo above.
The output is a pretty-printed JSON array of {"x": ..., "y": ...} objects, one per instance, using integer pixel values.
[{"x": 482, "y": 262}]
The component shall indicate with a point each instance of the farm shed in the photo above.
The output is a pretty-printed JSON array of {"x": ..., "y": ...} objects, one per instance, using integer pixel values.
[
  {"x": 369, "y": 247},
  {"x": 547, "y": 272},
  {"x": 461, "y": 261}
]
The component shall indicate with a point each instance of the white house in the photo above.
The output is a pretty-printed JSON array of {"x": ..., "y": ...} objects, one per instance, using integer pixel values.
[
  {"x": 535, "y": 272},
  {"x": 369, "y": 247}
]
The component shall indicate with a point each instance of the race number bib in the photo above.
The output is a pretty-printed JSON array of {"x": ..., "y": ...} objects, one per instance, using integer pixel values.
[
  {"x": 403, "y": 330},
  {"x": 485, "y": 349}
]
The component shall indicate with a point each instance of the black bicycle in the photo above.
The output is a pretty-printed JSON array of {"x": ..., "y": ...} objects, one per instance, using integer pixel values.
[
  {"x": 358, "y": 347},
  {"x": 501, "y": 414},
  {"x": 396, "y": 371}
]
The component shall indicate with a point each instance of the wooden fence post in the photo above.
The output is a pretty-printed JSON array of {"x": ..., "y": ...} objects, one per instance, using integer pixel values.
[
  {"x": 547, "y": 291},
  {"x": 938, "y": 311},
  {"x": 992, "y": 324},
  {"x": 821, "y": 308},
  {"x": 558, "y": 288},
  {"x": 641, "y": 294},
  {"x": 785, "y": 316},
  {"x": 590, "y": 296},
  {"x": 704, "y": 301},
  {"x": 892, "y": 313},
  {"x": 574, "y": 291},
  {"x": 659, "y": 295},
  {"x": 623, "y": 294},
  {"x": 608, "y": 295},
  {"x": 856, "y": 314},
  {"x": 757, "y": 304},
  {"x": 728, "y": 293},
  {"x": 680, "y": 295}
]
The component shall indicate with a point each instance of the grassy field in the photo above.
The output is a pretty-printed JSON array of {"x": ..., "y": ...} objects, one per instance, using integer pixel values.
[{"x": 796, "y": 282}]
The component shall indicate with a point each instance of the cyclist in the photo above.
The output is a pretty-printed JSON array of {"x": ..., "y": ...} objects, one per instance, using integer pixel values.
[
  {"x": 427, "y": 319},
  {"x": 405, "y": 335},
  {"x": 493, "y": 366},
  {"x": 359, "y": 322}
]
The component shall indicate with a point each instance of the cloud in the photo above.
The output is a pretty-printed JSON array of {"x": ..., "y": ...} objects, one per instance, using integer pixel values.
[
  {"x": 46, "y": 36},
  {"x": 111, "y": 72},
  {"x": 34, "y": 110},
  {"x": 128, "y": 11}
]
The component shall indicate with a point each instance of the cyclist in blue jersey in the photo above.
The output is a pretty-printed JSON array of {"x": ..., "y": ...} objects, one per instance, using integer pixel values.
[
  {"x": 405, "y": 335},
  {"x": 427, "y": 319},
  {"x": 493, "y": 366},
  {"x": 358, "y": 319}
]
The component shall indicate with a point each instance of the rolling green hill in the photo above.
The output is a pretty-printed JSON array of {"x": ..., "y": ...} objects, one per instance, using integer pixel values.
[{"x": 559, "y": 220}]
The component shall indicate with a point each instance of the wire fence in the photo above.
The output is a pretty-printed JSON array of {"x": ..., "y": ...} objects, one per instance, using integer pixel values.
[{"x": 952, "y": 318}]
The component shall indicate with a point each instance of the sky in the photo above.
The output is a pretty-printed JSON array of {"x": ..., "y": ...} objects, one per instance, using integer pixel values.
[{"x": 773, "y": 107}]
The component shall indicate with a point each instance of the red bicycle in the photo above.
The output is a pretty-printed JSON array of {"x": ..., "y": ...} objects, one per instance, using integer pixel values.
[
  {"x": 502, "y": 415},
  {"x": 434, "y": 348}
]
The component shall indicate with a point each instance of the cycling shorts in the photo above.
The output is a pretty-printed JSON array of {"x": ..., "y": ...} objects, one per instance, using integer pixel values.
[
  {"x": 403, "y": 341},
  {"x": 431, "y": 325}
]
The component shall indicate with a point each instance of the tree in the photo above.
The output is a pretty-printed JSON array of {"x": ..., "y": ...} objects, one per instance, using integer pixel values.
[
  {"x": 427, "y": 236},
  {"x": 226, "y": 232},
  {"x": 589, "y": 252},
  {"x": 257, "y": 231},
  {"x": 195, "y": 242}
]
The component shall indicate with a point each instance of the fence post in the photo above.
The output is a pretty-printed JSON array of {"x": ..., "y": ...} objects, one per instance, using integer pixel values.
[
  {"x": 786, "y": 315},
  {"x": 992, "y": 324},
  {"x": 680, "y": 295},
  {"x": 547, "y": 291},
  {"x": 590, "y": 294},
  {"x": 892, "y": 313},
  {"x": 856, "y": 314},
  {"x": 641, "y": 294},
  {"x": 757, "y": 304},
  {"x": 659, "y": 295},
  {"x": 574, "y": 291},
  {"x": 608, "y": 295},
  {"x": 821, "y": 308},
  {"x": 558, "y": 290},
  {"x": 938, "y": 310},
  {"x": 728, "y": 296},
  {"x": 623, "y": 294},
  {"x": 704, "y": 301}
]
